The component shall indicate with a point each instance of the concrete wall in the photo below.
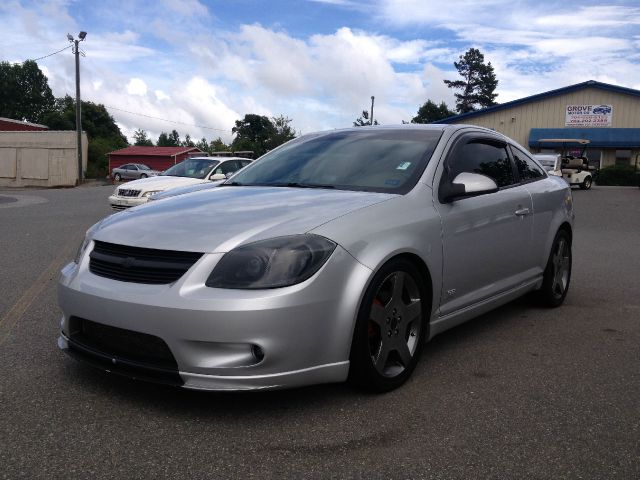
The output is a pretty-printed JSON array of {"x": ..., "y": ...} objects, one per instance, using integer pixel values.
[{"x": 40, "y": 159}]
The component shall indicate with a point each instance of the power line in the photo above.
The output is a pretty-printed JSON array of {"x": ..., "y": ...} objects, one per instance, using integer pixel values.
[
  {"x": 167, "y": 120},
  {"x": 51, "y": 54}
]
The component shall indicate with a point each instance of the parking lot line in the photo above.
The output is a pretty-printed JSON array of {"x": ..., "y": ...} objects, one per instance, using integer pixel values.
[{"x": 15, "y": 313}]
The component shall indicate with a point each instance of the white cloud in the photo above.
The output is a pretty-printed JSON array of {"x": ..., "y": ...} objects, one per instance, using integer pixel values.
[
  {"x": 136, "y": 86},
  {"x": 179, "y": 62},
  {"x": 160, "y": 95}
]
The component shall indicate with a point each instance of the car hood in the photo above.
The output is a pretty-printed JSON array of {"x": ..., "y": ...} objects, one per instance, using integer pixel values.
[
  {"x": 220, "y": 219},
  {"x": 161, "y": 182},
  {"x": 185, "y": 189}
]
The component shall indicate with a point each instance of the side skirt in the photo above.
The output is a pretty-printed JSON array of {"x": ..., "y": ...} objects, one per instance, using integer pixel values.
[{"x": 453, "y": 319}]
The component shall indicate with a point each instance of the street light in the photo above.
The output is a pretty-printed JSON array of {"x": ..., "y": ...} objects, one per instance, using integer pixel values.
[
  {"x": 76, "y": 51},
  {"x": 371, "y": 117}
]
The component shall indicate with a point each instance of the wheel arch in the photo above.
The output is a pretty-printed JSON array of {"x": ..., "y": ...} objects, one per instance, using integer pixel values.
[
  {"x": 427, "y": 278},
  {"x": 566, "y": 226}
]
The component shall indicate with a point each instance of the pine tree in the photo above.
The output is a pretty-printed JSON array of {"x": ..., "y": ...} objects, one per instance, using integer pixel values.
[
  {"x": 478, "y": 84},
  {"x": 431, "y": 113}
]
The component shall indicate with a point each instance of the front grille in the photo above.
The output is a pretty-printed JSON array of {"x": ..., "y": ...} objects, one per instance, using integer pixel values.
[
  {"x": 129, "y": 353},
  {"x": 121, "y": 343},
  {"x": 128, "y": 192},
  {"x": 139, "y": 265}
]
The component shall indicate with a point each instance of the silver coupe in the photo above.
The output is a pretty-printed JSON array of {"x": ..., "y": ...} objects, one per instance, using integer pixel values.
[{"x": 335, "y": 257}]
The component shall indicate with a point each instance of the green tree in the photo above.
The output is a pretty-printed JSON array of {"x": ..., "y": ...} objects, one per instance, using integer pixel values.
[
  {"x": 141, "y": 139},
  {"x": 478, "y": 84},
  {"x": 284, "y": 131},
  {"x": 363, "y": 120},
  {"x": 187, "y": 142},
  {"x": 169, "y": 139},
  {"x": 103, "y": 133},
  {"x": 218, "y": 145},
  {"x": 431, "y": 113},
  {"x": 203, "y": 145},
  {"x": 253, "y": 132},
  {"x": 24, "y": 92}
]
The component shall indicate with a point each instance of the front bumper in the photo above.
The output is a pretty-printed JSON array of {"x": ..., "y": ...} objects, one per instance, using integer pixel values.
[
  {"x": 121, "y": 203},
  {"x": 303, "y": 332}
]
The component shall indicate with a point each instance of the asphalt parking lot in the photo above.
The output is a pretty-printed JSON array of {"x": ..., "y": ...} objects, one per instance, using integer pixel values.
[{"x": 521, "y": 392}]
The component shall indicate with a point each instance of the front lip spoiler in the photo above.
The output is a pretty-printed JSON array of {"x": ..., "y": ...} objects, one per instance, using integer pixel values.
[
  {"x": 329, "y": 373},
  {"x": 118, "y": 365}
]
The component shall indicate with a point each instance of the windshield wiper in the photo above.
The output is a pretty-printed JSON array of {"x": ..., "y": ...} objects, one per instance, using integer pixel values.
[
  {"x": 308, "y": 185},
  {"x": 288, "y": 184}
]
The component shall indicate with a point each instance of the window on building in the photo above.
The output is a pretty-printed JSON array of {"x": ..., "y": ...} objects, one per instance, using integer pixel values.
[
  {"x": 623, "y": 157},
  {"x": 595, "y": 156}
]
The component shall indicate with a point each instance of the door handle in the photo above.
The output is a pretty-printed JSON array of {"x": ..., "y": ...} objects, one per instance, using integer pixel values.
[{"x": 522, "y": 212}]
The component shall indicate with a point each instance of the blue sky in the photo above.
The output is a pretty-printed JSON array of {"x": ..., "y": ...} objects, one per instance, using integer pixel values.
[{"x": 204, "y": 64}]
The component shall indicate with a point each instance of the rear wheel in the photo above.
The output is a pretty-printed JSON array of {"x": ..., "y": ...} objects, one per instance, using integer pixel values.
[
  {"x": 557, "y": 274},
  {"x": 390, "y": 328},
  {"x": 586, "y": 184},
  {"x": 117, "y": 177}
]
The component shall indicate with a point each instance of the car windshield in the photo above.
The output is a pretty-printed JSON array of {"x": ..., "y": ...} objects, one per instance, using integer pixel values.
[
  {"x": 143, "y": 167},
  {"x": 192, "y": 168},
  {"x": 369, "y": 159}
]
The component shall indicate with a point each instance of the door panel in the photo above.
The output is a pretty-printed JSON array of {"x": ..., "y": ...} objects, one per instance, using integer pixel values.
[
  {"x": 485, "y": 244},
  {"x": 486, "y": 238}
]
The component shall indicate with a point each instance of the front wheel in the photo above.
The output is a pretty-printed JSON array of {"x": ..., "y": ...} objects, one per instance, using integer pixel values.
[
  {"x": 143, "y": 175},
  {"x": 390, "y": 328},
  {"x": 586, "y": 184},
  {"x": 557, "y": 274}
]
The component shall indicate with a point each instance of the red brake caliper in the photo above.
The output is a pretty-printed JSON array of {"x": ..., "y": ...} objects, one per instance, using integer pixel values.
[{"x": 374, "y": 330}]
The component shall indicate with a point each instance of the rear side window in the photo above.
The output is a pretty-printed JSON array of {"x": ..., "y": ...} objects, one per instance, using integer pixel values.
[
  {"x": 527, "y": 169},
  {"x": 227, "y": 167},
  {"x": 484, "y": 157}
]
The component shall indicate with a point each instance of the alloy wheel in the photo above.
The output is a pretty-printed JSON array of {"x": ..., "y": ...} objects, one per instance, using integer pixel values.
[
  {"x": 394, "y": 324},
  {"x": 561, "y": 264}
]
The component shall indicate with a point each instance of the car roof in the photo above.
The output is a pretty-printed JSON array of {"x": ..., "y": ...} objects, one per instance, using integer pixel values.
[
  {"x": 221, "y": 159},
  {"x": 412, "y": 126}
]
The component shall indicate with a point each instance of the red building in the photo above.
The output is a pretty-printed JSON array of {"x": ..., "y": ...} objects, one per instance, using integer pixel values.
[
  {"x": 157, "y": 158},
  {"x": 10, "y": 125}
]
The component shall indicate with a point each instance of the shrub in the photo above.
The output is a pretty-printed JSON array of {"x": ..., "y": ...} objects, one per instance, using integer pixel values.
[{"x": 623, "y": 175}]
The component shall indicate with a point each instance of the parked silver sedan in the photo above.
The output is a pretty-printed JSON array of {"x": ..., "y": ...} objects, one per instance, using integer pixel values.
[
  {"x": 335, "y": 257},
  {"x": 133, "y": 171}
]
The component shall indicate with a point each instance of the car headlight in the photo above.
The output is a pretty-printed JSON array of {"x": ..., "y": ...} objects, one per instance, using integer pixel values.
[
  {"x": 273, "y": 263},
  {"x": 152, "y": 192},
  {"x": 85, "y": 243}
]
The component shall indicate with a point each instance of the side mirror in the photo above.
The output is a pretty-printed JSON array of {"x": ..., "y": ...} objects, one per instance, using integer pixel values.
[
  {"x": 217, "y": 176},
  {"x": 466, "y": 184}
]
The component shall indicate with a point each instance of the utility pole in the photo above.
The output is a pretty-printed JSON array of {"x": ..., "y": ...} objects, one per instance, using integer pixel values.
[
  {"x": 371, "y": 116},
  {"x": 76, "y": 51}
]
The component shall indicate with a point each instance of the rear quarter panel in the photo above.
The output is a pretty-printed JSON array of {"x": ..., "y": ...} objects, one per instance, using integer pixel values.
[{"x": 552, "y": 207}]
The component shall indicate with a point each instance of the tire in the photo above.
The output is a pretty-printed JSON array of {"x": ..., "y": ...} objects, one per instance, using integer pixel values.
[
  {"x": 143, "y": 175},
  {"x": 557, "y": 274},
  {"x": 390, "y": 328},
  {"x": 117, "y": 177},
  {"x": 586, "y": 184}
]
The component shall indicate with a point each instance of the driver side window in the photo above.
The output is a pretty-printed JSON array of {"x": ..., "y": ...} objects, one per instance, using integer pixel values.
[{"x": 484, "y": 157}]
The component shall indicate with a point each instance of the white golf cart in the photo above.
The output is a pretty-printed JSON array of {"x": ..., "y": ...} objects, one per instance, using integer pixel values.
[
  {"x": 551, "y": 162},
  {"x": 575, "y": 169}
]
